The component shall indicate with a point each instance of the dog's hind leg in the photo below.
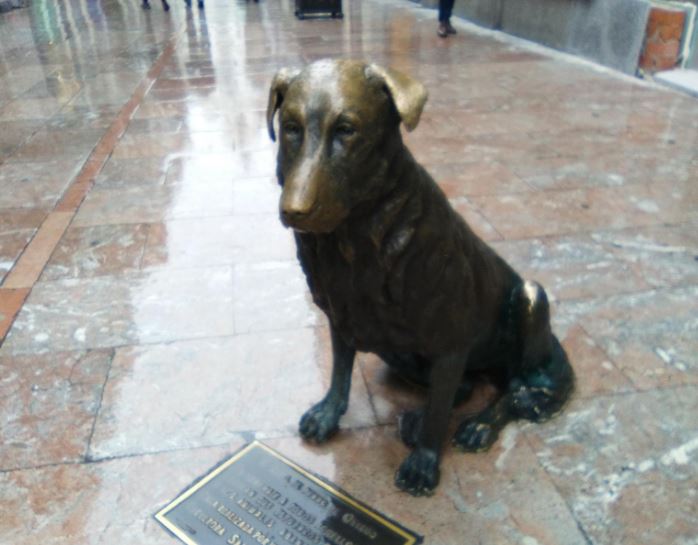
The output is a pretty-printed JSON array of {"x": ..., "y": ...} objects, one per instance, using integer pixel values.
[
  {"x": 539, "y": 382},
  {"x": 321, "y": 421}
]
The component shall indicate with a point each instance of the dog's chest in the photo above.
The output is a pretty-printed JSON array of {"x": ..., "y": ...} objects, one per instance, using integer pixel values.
[{"x": 358, "y": 291}]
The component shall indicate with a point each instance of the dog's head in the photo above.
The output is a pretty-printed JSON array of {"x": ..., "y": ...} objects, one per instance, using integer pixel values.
[{"x": 337, "y": 122}]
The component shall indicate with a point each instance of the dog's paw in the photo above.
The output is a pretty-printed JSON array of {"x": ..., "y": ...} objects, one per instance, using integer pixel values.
[
  {"x": 475, "y": 436},
  {"x": 320, "y": 422},
  {"x": 410, "y": 426},
  {"x": 534, "y": 404},
  {"x": 419, "y": 472}
]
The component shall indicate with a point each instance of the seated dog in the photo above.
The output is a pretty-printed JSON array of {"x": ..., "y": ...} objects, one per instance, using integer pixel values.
[{"x": 398, "y": 272}]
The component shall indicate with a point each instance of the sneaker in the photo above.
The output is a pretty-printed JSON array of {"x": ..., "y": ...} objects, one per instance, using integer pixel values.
[
  {"x": 442, "y": 30},
  {"x": 450, "y": 29}
]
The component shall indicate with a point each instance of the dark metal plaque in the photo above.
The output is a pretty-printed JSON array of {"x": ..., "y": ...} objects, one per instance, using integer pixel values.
[{"x": 258, "y": 497}]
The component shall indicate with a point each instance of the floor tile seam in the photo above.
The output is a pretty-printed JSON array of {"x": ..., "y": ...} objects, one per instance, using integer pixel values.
[
  {"x": 42, "y": 231},
  {"x": 583, "y": 231},
  {"x": 13, "y": 311},
  {"x": 551, "y": 479},
  {"x": 80, "y": 224},
  {"x": 164, "y": 221},
  {"x": 148, "y": 231},
  {"x": 651, "y": 290},
  {"x": 572, "y": 189},
  {"x": 95, "y": 417},
  {"x": 237, "y": 332},
  {"x": 628, "y": 393},
  {"x": 125, "y": 183},
  {"x": 371, "y": 402},
  {"x": 138, "y": 274},
  {"x": 126, "y": 456},
  {"x": 588, "y": 235},
  {"x": 3, "y": 160},
  {"x": 160, "y": 62},
  {"x": 153, "y": 344},
  {"x": 245, "y": 435},
  {"x": 611, "y": 359},
  {"x": 623, "y": 293}
]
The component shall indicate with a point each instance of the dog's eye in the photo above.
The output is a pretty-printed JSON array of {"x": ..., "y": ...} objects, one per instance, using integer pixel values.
[
  {"x": 345, "y": 130},
  {"x": 292, "y": 129}
]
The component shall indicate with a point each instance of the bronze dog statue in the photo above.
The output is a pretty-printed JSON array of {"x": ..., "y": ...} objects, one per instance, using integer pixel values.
[{"x": 397, "y": 271}]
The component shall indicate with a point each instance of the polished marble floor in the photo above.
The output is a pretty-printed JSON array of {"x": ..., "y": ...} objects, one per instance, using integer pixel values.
[{"x": 153, "y": 317}]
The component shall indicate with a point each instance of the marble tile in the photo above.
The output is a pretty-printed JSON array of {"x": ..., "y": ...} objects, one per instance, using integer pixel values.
[
  {"x": 607, "y": 168},
  {"x": 131, "y": 172},
  {"x": 39, "y": 395},
  {"x": 231, "y": 388},
  {"x": 11, "y": 246},
  {"x": 218, "y": 241},
  {"x": 56, "y": 87},
  {"x": 273, "y": 296},
  {"x": 649, "y": 336},
  {"x": 595, "y": 373},
  {"x": 189, "y": 196},
  {"x": 99, "y": 503},
  {"x": 157, "y": 125},
  {"x": 665, "y": 255},
  {"x": 482, "y": 498},
  {"x": 28, "y": 267},
  {"x": 35, "y": 185},
  {"x": 107, "y": 88},
  {"x": 477, "y": 222},
  {"x": 193, "y": 169},
  {"x": 97, "y": 251},
  {"x": 31, "y": 108},
  {"x": 76, "y": 314},
  {"x": 74, "y": 117},
  {"x": 17, "y": 219},
  {"x": 14, "y": 133},
  {"x": 572, "y": 267},
  {"x": 477, "y": 178},
  {"x": 11, "y": 301},
  {"x": 47, "y": 145},
  {"x": 626, "y": 465},
  {"x": 570, "y": 211}
]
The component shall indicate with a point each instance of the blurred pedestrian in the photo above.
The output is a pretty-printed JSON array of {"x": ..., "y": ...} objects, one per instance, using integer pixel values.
[{"x": 445, "y": 26}]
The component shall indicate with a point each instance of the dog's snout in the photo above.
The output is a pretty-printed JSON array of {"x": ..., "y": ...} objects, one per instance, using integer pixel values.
[
  {"x": 293, "y": 216},
  {"x": 296, "y": 204}
]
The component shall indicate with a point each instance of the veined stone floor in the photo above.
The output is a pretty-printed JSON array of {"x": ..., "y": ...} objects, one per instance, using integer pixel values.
[{"x": 153, "y": 317}]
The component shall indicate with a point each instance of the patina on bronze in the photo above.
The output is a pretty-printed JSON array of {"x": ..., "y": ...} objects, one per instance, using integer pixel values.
[
  {"x": 258, "y": 497},
  {"x": 398, "y": 272}
]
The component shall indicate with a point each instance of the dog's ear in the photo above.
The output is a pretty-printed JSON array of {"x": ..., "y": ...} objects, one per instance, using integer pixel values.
[
  {"x": 409, "y": 95},
  {"x": 279, "y": 85}
]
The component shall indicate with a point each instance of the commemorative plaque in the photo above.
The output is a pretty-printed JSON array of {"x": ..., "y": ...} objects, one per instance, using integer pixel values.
[{"x": 258, "y": 497}]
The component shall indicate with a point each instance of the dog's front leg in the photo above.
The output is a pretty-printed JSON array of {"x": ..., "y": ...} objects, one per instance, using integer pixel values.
[
  {"x": 419, "y": 472},
  {"x": 322, "y": 420}
]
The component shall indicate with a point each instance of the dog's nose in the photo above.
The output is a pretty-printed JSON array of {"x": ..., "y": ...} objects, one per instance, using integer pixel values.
[{"x": 291, "y": 216}]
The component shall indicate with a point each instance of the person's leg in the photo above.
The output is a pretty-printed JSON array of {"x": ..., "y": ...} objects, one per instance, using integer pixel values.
[
  {"x": 445, "y": 10},
  {"x": 448, "y": 12}
]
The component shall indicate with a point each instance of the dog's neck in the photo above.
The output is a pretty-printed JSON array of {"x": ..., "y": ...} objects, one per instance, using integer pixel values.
[{"x": 388, "y": 220}]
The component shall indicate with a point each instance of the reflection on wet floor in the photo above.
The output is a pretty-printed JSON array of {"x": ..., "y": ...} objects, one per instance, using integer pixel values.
[{"x": 153, "y": 317}]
